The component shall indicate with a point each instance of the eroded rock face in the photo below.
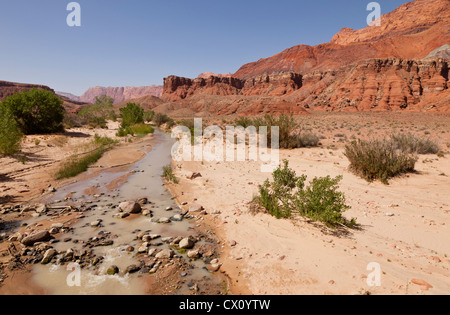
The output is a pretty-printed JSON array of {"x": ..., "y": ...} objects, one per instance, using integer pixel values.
[
  {"x": 378, "y": 84},
  {"x": 177, "y": 88},
  {"x": 369, "y": 85}
]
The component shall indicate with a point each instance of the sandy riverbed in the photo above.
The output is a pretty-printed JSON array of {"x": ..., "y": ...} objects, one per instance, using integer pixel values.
[{"x": 404, "y": 228}]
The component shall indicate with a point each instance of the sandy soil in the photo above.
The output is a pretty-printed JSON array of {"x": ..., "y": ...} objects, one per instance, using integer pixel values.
[{"x": 404, "y": 226}]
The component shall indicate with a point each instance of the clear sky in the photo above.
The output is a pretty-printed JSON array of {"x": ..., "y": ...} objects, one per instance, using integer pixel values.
[{"x": 139, "y": 42}]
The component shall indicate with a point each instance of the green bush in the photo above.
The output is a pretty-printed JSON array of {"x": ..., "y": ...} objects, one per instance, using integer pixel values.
[
  {"x": 149, "y": 115},
  {"x": 131, "y": 115},
  {"x": 161, "y": 119},
  {"x": 168, "y": 174},
  {"x": 135, "y": 130},
  {"x": 320, "y": 201},
  {"x": 98, "y": 113},
  {"x": 36, "y": 111},
  {"x": 409, "y": 143},
  {"x": 243, "y": 122},
  {"x": 290, "y": 134},
  {"x": 10, "y": 135},
  {"x": 379, "y": 159}
]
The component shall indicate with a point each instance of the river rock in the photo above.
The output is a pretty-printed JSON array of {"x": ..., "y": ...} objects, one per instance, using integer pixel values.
[
  {"x": 164, "y": 220},
  {"x": 142, "y": 201},
  {"x": 41, "y": 236},
  {"x": 196, "y": 208},
  {"x": 113, "y": 270},
  {"x": 193, "y": 254},
  {"x": 96, "y": 223},
  {"x": 213, "y": 267},
  {"x": 130, "y": 207},
  {"x": 132, "y": 269},
  {"x": 49, "y": 254},
  {"x": 165, "y": 254},
  {"x": 186, "y": 243},
  {"x": 41, "y": 208},
  {"x": 177, "y": 218},
  {"x": 121, "y": 215},
  {"x": 17, "y": 237}
]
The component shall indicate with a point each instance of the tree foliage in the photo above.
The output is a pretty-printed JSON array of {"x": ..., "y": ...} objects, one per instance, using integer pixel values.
[{"x": 36, "y": 111}]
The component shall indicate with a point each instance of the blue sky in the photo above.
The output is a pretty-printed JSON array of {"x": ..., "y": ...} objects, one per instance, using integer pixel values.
[{"x": 139, "y": 42}]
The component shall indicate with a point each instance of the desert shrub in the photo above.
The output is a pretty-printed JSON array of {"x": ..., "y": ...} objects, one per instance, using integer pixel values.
[
  {"x": 149, "y": 115},
  {"x": 10, "y": 135},
  {"x": 131, "y": 115},
  {"x": 409, "y": 143},
  {"x": 135, "y": 130},
  {"x": 288, "y": 194},
  {"x": 36, "y": 111},
  {"x": 321, "y": 201},
  {"x": 378, "y": 159},
  {"x": 168, "y": 174},
  {"x": 98, "y": 113},
  {"x": 302, "y": 140},
  {"x": 243, "y": 122},
  {"x": 290, "y": 134},
  {"x": 161, "y": 119},
  {"x": 73, "y": 121}
]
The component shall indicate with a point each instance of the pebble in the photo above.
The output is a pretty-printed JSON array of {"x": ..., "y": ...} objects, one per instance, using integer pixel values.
[
  {"x": 164, "y": 220},
  {"x": 186, "y": 243},
  {"x": 177, "y": 218},
  {"x": 213, "y": 267},
  {"x": 193, "y": 254},
  {"x": 196, "y": 208},
  {"x": 96, "y": 223},
  {"x": 165, "y": 254}
]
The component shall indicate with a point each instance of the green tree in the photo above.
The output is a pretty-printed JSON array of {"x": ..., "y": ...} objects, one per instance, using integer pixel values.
[
  {"x": 131, "y": 115},
  {"x": 36, "y": 111},
  {"x": 10, "y": 134},
  {"x": 97, "y": 113}
]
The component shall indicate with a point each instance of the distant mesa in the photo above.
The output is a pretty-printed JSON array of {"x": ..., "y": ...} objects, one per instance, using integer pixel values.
[{"x": 120, "y": 94}]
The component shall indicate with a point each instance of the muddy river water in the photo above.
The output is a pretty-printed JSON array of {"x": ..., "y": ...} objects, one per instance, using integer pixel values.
[{"x": 144, "y": 182}]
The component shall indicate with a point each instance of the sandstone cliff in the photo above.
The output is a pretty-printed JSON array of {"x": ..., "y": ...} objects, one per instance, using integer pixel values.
[
  {"x": 401, "y": 65},
  {"x": 410, "y": 32}
]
